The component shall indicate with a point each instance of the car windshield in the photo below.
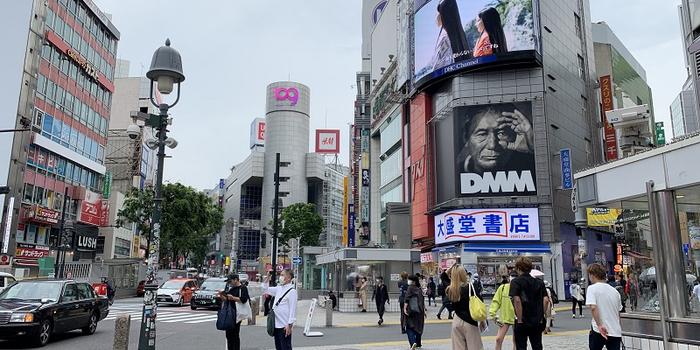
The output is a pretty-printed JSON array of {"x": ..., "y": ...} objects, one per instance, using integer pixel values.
[
  {"x": 33, "y": 291},
  {"x": 213, "y": 285},
  {"x": 173, "y": 284}
]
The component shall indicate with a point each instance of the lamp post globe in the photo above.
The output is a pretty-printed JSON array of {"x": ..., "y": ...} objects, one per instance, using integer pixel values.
[{"x": 166, "y": 68}]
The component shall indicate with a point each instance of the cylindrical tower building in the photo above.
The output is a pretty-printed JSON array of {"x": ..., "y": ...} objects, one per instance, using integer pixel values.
[{"x": 287, "y": 133}]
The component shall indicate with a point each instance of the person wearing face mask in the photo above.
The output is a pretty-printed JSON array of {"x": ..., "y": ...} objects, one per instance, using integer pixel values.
[
  {"x": 235, "y": 292},
  {"x": 414, "y": 310},
  {"x": 285, "y": 306},
  {"x": 381, "y": 297},
  {"x": 502, "y": 310}
]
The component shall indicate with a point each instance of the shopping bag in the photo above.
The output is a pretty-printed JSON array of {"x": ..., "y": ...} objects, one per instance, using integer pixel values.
[
  {"x": 477, "y": 308},
  {"x": 226, "y": 317}
]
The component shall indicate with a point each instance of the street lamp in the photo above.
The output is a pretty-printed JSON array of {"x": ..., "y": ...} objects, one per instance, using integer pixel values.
[{"x": 166, "y": 71}]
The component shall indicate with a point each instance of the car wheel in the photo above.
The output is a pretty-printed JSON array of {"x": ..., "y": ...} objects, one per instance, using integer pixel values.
[
  {"x": 192, "y": 305},
  {"x": 44, "y": 335},
  {"x": 92, "y": 325}
]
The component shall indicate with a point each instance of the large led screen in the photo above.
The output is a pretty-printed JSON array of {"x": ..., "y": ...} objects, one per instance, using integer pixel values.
[{"x": 453, "y": 35}]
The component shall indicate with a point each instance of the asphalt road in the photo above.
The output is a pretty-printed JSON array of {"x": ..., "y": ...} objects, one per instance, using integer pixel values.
[{"x": 182, "y": 328}]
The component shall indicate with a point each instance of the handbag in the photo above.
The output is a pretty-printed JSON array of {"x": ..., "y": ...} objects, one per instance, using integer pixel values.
[
  {"x": 226, "y": 317},
  {"x": 243, "y": 310},
  {"x": 271, "y": 315},
  {"x": 477, "y": 308}
]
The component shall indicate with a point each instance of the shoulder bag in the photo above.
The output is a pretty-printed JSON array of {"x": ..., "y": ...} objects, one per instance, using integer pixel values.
[
  {"x": 243, "y": 310},
  {"x": 413, "y": 306},
  {"x": 226, "y": 316},
  {"x": 477, "y": 308},
  {"x": 271, "y": 315}
]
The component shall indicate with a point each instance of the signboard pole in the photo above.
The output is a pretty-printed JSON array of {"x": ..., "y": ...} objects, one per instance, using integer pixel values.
[{"x": 61, "y": 252}]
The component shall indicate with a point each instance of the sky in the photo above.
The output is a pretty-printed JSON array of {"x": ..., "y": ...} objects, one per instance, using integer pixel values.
[{"x": 231, "y": 50}]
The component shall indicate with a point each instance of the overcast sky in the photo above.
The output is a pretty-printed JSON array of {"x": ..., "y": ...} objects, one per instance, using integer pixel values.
[{"x": 231, "y": 50}]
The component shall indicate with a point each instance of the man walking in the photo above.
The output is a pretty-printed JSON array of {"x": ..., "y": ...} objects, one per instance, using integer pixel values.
[
  {"x": 605, "y": 303},
  {"x": 530, "y": 300},
  {"x": 381, "y": 297}
]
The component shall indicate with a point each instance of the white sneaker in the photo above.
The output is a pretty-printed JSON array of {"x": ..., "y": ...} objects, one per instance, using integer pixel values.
[{"x": 573, "y": 316}]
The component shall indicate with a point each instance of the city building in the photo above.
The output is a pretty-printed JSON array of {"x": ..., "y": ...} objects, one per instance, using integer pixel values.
[
  {"x": 685, "y": 109},
  {"x": 623, "y": 84},
  {"x": 328, "y": 194},
  {"x": 64, "y": 72}
]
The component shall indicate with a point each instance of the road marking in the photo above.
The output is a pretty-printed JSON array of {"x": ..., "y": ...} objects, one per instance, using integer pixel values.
[
  {"x": 194, "y": 318},
  {"x": 213, "y": 318}
]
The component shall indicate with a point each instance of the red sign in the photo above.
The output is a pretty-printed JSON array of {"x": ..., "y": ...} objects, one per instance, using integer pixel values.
[
  {"x": 328, "y": 141},
  {"x": 43, "y": 215},
  {"x": 4, "y": 259},
  {"x": 91, "y": 209},
  {"x": 606, "y": 95},
  {"x": 27, "y": 254}
]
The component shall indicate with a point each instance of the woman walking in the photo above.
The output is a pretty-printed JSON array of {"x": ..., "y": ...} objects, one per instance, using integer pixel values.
[
  {"x": 502, "y": 311},
  {"x": 549, "y": 311},
  {"x": 403, "y": 287},
  {"x": 363, "y": 294},
  {"x": 466, "y": 333},
  {"x": 441, "y": 290},
  {"x": 414, "y": 309},
  {"x": 576, "y": 298}
]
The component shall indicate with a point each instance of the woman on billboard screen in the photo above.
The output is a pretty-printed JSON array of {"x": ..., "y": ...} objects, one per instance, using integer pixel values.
[
  {"x": 492, "y": 39},
  {"x": 449, "y": 19}
]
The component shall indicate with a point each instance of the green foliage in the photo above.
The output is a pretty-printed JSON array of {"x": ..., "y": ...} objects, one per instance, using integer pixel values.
[
  {"x": 137, "y": 209},
  {"x": 301, "y": 221},
  {"x": 188, "y": 221}
]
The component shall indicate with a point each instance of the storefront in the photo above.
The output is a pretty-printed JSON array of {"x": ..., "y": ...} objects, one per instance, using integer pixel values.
[{"x": 657, "y": 247}]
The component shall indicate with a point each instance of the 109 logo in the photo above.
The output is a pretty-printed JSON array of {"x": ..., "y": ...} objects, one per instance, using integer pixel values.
[{"x": 286, "y": 94}]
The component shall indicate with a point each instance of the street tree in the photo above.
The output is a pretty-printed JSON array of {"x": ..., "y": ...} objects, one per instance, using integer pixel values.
[{"x": 303, "y": 222}]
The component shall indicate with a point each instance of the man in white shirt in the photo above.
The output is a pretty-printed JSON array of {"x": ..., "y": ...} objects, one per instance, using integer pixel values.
[
  {"x": 696, "y": 295},
  {"x": 605, "y": 305},
  {"x": 285, "y": 307}
]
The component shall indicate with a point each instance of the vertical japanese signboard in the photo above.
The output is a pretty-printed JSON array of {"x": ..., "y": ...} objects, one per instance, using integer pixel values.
[
  {"x": 567, "y": 178},
  {"x": 660, "y": 134},
  {"x": 345, "y": 211},
  {"x": 610, "y": 137}
]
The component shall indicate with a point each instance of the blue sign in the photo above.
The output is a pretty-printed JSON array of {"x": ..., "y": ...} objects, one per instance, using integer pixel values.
[
  {"x": 567, "y": 177},
  {"x": 499, "y": 224},
  {"x": 221, "y": 184},
  {"x": 686, "y": 248},
  {"x": 296, "y": 260},
  {"x": 351, "y": 225}
]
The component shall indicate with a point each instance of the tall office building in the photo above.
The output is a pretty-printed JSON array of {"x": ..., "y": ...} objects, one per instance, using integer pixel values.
[
  {"x": 64, "y": 74},
  {"x": 685, "y": 109}
]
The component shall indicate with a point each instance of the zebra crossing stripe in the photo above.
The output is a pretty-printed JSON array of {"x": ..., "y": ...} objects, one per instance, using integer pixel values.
[
  {"x": 202, "y": 317},
  {"x": 213, "y": 318},
  {"x": 175, "y": 316}
]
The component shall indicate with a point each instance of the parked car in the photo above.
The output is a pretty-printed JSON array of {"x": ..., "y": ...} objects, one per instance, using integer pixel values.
[
  {"x": 6, "y": 279},
  {"x": 39, "y": 308},
  {"x": 176, "y": 291},
  {"x": 141, "y": 288},
  {"x": 205, "y": 296}
]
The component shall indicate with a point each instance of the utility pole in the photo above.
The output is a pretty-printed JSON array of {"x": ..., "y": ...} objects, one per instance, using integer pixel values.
[
  {"x": 275, "y": 221},
  {"x": 61, "y": 227}
]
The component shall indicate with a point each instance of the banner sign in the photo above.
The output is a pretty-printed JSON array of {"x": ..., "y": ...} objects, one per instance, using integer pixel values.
[
  {"x": 426, "y": 258},
  {"x": 516, "y": 224},
  {"x": 567, "y": 178},
  {"x": 327, "y": 141},
  {"x": 44, "y": 215},
  {"x": 91, "y": 209},
  {"x": 602, "y": 217},
  {"x": 257, "y": 132},
  {"x": 606, "y": 95}
]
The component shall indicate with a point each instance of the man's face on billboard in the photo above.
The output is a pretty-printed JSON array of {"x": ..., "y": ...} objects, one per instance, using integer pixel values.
[{"x": 488, "y": 141}]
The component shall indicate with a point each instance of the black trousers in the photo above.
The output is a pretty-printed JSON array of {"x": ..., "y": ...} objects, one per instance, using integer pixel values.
[
  {"x": 380, "y": 310},
  {"x": 282, "y": 341},
  {"x": 575, "y": 302},
  {"x": 597, "y": 342},
  {"x": 233, "y": 337},
  {"x": 522, "y": 332}
]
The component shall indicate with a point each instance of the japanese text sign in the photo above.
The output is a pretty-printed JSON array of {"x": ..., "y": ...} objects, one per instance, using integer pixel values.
[
  {"x": 567, "y": 178},
  {"x": 517, "y": 224}
]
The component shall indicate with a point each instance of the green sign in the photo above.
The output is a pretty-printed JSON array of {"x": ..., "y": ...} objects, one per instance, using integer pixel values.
[
  {"x": 107, "y": 187},
  {"x": 660, "y": 134}
]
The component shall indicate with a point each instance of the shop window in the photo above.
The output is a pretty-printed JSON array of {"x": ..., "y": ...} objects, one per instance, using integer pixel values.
[
  {"x": 688, "y": 205},
  {"x": 30, "y": 235},
  {"x": 633, "y": 258}
]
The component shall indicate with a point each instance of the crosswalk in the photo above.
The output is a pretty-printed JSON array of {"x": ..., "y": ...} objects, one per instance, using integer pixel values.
[{"x": 165, "y": 316}]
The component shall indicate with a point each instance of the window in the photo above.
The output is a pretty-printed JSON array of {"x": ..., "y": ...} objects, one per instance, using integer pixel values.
[
  {"x": 81, "y": 143},
  {"x": 70, "y": 294},
  {"x": 73, "y": 139},
  {"x": 85, "y": 291},
  {"x": 50, "y": 90},
  {"x": 122, "y": 247},
  {"x": 41, "y": 84},
  {"x": 57, "y": 128},
  {"x": 50, "y": 16},
  {"x": 581, "y": 67},
  {"x": 38, "y": 195},
  {"x": 577, "y": 24},
  {"x": 28, "y": 193},
  {"x": 69, "y": 170},
  {"x": 390, "y": 168},
  {"x": 47, "y": 129},
  {"x": 392, "y": 133}
]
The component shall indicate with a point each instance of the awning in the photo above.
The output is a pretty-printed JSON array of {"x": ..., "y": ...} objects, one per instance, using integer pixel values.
[{"x": 508, "y": 248}]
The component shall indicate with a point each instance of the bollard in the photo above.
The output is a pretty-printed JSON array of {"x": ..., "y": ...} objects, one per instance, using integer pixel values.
[
  {"x": 329, "y": 313},
  {"x": 121, "y": 332},
  {"x": 255, "y": 309}
]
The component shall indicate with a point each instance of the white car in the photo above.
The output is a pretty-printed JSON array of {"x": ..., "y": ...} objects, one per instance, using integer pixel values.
[{"x": 6, "y": 279}]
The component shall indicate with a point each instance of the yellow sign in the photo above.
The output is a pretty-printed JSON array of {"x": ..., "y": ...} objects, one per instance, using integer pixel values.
[
  {"x": 227, "y": 262},
  {"x": 345, "y": 211},
  {"x": 602, "y": 217}
]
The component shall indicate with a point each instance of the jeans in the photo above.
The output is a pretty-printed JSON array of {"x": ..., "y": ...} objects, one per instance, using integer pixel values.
[
  {"x": 282, "y": 342},
  {"x": 522, "y": 332},
  {"x": 413, "y": 337},
  {"x": 233, "y": 337},
  {"x": 575, "y": 302},
  {"x": 597, "y": 342}
]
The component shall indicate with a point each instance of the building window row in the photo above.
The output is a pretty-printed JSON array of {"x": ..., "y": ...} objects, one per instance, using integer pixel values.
[
  {"x": 69, "y": 137},
  {"x": 390, "y": 168},
  {"x": 34, "y": 234},
  {"x": 70, "y": 69},
  {"x": 56, "y": 167},
  {"x": 89, "y": 23}
]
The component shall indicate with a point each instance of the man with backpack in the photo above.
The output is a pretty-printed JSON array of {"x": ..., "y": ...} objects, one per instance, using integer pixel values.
[
  {"x": 441, "y": 291},
  {"x": 530, "y": 301}
]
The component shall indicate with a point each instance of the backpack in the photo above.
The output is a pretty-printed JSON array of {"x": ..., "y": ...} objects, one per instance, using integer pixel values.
[{"x": 555, "y": 297}]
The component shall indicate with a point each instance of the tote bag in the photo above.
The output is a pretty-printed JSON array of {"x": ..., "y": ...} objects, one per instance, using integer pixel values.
[
  {"x": 226, "y": 317},
  {"x": 243, "y": 310},
  {"x": 477, "y": 308},
  {"x": 271, "y": 316}
]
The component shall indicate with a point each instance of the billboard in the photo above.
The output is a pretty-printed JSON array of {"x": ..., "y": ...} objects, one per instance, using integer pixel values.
[
  {"x": 502, "y": 224},
  {"x": 328, "y": 141},
  {"x": 486, "y": 151},
  {"x": 257, "y": 132},
  {"x": 454, "y": 35},
  {"x": 610, "y": 135}
]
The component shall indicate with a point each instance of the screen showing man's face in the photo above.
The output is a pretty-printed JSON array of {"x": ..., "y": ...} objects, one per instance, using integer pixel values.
[{"x": 488, "y": 141}]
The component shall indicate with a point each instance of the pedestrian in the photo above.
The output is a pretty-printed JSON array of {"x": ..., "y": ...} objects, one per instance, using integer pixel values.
[
  {"x": 441, "y": 291},
  {"x": 696, "y": 293},
  {"x": 474, "y": 280},
  {"x": 403, "y": 287},
  {"x": 333, "y": 298},
  {"x": 549, "y": 312},
  {"x": 576, "y": 298},
  {"x": 285, "y": 308},
  {"x": 268, "y": 298},
  {"x": 414, "y": 310},
  {"x": 466, "y": 332},
  {"x": 431, "y": 291},
  {"x": 502, "y": 311},
  {"x": 380, "y": 297},
  {"x": 363, "y": 294},
  {"x": 632, "y": 291},
  {"x": 235, "y": 292},
  {"x": 530, "y": 301},
  {"x": 621, "y": 287},
  {"x": 606, "y": 304}
]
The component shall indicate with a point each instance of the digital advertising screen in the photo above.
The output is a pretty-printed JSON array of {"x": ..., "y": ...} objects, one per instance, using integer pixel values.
[{"x": 456, "y": 35}]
